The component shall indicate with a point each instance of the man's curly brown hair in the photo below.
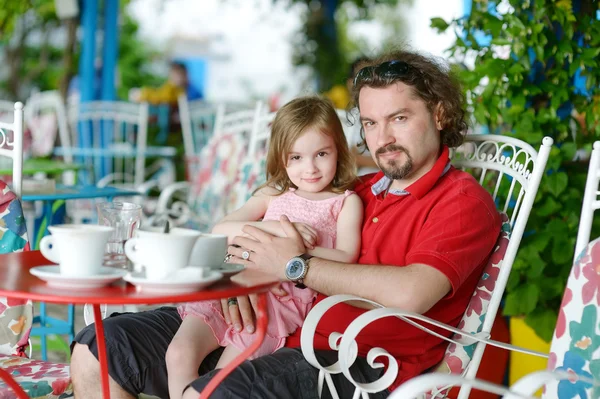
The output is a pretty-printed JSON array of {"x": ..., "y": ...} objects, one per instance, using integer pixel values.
[{"x": 433, "y": 82}]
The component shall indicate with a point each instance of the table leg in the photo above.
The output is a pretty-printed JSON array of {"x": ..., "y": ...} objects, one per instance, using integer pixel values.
[
  {"x": 261, "y": 330},
  {"x": 6, "y": 377},
  {"x": 101, "y": 351}
]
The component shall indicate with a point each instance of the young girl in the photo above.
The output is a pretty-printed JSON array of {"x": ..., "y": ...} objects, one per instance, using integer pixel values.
[{"x": 309, "y": 171}]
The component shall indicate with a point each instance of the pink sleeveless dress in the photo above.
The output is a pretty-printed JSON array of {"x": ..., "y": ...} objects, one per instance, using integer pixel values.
[{"x": 287, "y": 313}]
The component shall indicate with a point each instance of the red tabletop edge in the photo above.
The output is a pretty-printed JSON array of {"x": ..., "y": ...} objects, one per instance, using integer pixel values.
[{"x": 17, "y": 282}]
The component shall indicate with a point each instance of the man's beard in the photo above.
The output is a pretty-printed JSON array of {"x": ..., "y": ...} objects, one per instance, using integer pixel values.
[{"x": 391, "y": 168}]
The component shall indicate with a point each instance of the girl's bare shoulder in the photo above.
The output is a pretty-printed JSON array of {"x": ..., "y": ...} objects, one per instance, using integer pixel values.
[{"x": 267, "y": 191}]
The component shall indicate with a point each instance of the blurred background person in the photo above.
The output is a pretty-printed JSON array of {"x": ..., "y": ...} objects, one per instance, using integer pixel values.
[{"x": 177, "y": 83}]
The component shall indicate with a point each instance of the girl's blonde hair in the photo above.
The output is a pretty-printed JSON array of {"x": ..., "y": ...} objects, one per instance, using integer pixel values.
[{"x": 293, "y": 120}]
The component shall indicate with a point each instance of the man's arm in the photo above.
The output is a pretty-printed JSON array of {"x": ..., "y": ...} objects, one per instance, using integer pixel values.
[{"x": 413, "y": 288}]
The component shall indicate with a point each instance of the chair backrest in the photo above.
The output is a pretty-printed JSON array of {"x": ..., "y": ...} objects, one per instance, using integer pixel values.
[
  {"x": 216, "y": 168},
  {"x": 197, "y": 123},
  {"x": 511, "y": 170},
  {"x": 252, "y": 172},
  {"x": 590, "y": 200},
  {"x": 576, "y": 339},
  {"x": 49, "y": 107},
  {"x": 110, "y": 137},
  {"x": 236, "y": 121},
  {"x": 11, "y": 146},
  {"x": 16, "y": 315},
  {"x": 261, "y": 134}
]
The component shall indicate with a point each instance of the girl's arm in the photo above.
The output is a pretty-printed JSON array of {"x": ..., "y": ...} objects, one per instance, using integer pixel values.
[
  {"x": 349, "y": 227},
  {"x": 249, "y": 214}
]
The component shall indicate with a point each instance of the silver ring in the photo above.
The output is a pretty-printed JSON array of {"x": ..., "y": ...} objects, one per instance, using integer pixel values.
[
  {"x": 246, "y": 255},
  {"x": 232, "y": 302}
]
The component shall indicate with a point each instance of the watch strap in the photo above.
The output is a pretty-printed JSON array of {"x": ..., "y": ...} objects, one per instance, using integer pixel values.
[{"x": 300, "y": 281}]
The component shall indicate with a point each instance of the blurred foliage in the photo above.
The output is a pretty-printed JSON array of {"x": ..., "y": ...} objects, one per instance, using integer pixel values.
[
  {"x": 28, "y": 63},
  {"x": 523, "y": 84},
  {"x": 324, "y": 42},
  {"x": 135, "y": 57},
  {"x": 32, "y": 40}
]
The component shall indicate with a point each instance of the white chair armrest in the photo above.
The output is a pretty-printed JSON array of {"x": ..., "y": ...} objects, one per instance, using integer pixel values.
[
  {"x": 347, "y": 347},
  {"x": 146, "y": 186},
  {"x": 423, "y": 384},
  {"x": 167, "y": 194},
  {"x": 532, "y": 382}
]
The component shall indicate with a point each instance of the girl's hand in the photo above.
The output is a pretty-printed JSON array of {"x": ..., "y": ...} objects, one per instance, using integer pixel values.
[{"x": 309, "y": 235}]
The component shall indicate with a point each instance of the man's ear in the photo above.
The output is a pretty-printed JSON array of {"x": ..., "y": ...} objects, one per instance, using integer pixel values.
[{"x": 438, "y": 114}]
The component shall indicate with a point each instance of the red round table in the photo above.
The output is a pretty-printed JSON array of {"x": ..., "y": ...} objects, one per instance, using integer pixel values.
[{"x": 17, "y": 282}]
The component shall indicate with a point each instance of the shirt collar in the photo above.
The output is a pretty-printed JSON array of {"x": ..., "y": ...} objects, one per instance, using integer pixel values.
[{"x": 419, "y": 188}]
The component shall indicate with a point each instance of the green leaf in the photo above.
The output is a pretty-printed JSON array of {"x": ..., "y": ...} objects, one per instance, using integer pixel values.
[
  {"x": 562, "y": 252},
  {"x": 569, "y": 150},
  {"x": 528, "y": 295},
  {"x": 557, "y": 182},
  {"x": 543, "y": 322},
  {"x": 536, "y": 268},
  {"x": 440, "y": 24},
  {"x": 548, "y": 207},
  {"x": 512, "y": 305},
  {"x": 539, "y": 241}
]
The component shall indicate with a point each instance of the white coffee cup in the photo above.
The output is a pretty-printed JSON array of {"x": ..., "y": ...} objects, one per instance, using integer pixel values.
[
  {"x": 77, "y": 248},
  {"x": 161, "y": 254},
  {"x": 209, "y": 251}
]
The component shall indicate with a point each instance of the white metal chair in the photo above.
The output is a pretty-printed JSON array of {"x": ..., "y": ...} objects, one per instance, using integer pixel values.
[
  {"x": 573, "y": 363},
  {"x": 11, "y": 146},
  {"x": 590, "y": 200},
  {"x": 48, "y": 103},
  {"x": 511, "y": 170},
  {"x": 197, "y": 119},
  {"x": 110, "y": 137},
  {"x": 203, "y": 201},
  {"x": 252, "y": 172}
]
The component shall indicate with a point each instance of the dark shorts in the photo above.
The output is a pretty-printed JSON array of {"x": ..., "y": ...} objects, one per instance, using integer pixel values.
[{"x": 136, "y": 345}]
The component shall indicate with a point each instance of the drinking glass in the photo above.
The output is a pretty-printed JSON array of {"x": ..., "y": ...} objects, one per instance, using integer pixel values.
[{"x": 125, "y": 218}]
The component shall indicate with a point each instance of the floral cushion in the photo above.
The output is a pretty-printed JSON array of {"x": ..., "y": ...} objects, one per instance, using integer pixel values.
[
  {"x": 457, "y": 357},
  {"x": 252, "y": 174},
  {"x": 38, "y": 379},
  {"x": 576, "y": 340},
  {"x": 213, "y": 181},
  {"x": 16, "y": 315}
]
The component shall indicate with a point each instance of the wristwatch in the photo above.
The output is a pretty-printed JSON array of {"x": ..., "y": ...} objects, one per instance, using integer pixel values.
[{"x": 296, "y": 269}]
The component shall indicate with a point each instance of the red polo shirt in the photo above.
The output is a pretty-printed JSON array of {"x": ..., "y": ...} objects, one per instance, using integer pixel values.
[{"x": 447, "y": 221}]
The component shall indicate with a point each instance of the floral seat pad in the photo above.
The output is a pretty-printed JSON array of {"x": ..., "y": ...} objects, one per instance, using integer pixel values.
[{"x": 38, "y": 379}]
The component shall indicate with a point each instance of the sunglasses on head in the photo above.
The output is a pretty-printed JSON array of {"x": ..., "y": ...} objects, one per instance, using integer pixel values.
[{"x": 389, "y": 69}]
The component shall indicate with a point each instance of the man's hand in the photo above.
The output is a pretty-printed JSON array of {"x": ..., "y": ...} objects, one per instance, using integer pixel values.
[
  {"x": 268, "y": 253},
  {"x": 241, "y": 314}
]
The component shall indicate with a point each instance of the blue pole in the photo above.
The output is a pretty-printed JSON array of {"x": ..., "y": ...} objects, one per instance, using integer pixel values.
[
  {"x": 110, "y": 50},
  {"x": 87, "y": 69},
  {"x": 110, "y": 53}
]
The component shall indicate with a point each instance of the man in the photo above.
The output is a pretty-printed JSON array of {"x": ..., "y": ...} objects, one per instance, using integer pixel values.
[{"x": 427, "y": 234}]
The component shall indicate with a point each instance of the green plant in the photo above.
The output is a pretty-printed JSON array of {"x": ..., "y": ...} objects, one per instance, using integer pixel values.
[{"x": 522, "y": 84}]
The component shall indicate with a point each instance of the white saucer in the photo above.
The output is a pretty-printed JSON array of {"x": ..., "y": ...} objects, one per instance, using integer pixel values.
[
  {"x": 185, "y": 282},
  {"x": 228, "y": 269},
  {"x": 51, "y": 275}
]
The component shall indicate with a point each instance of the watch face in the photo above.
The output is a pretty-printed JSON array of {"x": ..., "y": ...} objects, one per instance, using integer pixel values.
[{"x": 294, "y": 268}]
